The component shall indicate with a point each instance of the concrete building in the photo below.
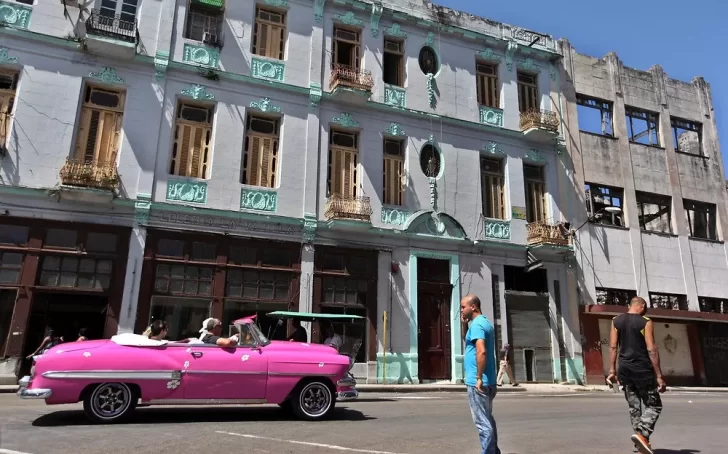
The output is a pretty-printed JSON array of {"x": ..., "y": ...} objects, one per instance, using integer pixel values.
[
  {"x": 648, "y": 145},
  {"x": 350, "y": 157}
]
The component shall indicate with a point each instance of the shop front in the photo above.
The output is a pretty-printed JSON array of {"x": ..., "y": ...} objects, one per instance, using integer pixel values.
[{"x": 59, "y": 275}]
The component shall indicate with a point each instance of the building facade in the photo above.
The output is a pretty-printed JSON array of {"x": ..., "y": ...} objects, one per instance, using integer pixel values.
[
  {"x": 650, "y": 183},
  {"x": 350, "y": 157}
]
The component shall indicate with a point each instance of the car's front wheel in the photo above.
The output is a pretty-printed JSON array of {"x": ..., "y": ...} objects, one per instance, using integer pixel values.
[
  {"x": 110, "y": 402},
  {"x": 314, "y": 401}
]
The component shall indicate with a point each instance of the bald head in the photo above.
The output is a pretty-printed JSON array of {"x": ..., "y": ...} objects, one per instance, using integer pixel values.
[
  {"x": 469, "y": 307},
  {"x": 638, "y": 305}
]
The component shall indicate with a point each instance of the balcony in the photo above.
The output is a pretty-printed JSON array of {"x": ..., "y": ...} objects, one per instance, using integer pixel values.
[
  {"x": 88, "y": 174},
  {"x": 341, "y": 208},
  {"x": 345, "y": 79},
  {"x": 111, "y": 35},
  {"x": 541, "y": 125},
  {"x": 541, "y": 233}
]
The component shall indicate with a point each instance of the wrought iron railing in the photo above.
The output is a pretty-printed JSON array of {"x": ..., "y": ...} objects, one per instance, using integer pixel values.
[
  {"x": 100, "y": 24},
  {"x": 540, "y": 119},
  {"x": 543, "y": 233},
  {"x": 77, "y": 172},
  {"x": 346, "y": 76},
  {"x": 349, "y": 208}
]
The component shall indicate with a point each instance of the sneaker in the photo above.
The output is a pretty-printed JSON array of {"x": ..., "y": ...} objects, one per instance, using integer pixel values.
[{"x": 642, "y": 444}]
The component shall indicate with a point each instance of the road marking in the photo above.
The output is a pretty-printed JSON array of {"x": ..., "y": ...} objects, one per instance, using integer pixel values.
[
  {"x": 8, "y": 451},
  {"x": 306, "y": 443}
]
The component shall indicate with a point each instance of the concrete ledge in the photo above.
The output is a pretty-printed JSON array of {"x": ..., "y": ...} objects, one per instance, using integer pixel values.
[{"x": 8, "y": 389}]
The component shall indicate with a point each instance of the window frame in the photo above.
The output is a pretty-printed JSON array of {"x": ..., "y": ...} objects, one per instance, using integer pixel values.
[
  {"x": 711, "y": 213},
  {"x": 273, "y": 175},
  {"x": 605, "y": 109},
  {"x": 534, "y": 185},
  {"x": 487, "y": 85},
  {"x": 596, "y": 190},
  {"x": 643, "y": 198},
  {"x": 333, "y": 151},
  {"x": 632, "y": 113},
  {"x": 528, "y": 90},
  {"x": 689, "y": 126},
  {"x": 397, "y": 182},
  {"x": 679, "y": 304},
  {"x": 205, "y": 167},
  {"x": 118, "y": 9},
  {"x": 283, "y": 30},
  {"x": 400, "y": 55},
  {"x": 490, "y": 179},
  {"x": 613, "y": 295},
  {"x": 355, "y": 56},
  {"x": 83, "y": 125},
  {"x": 7, "y": 108},
  {"x": 209, "y": 14}
]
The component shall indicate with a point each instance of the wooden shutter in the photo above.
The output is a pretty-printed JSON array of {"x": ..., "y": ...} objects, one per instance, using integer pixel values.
[
  {"x": 193, "y": 148},
  {"x": 344, "y": 172},
  {"x": 393, "y": 174},
  {"x": 99, "y": 134},
  {"x": 536, "y": 200},
  {"x": 261, "y": 170},
  {"x": 6, "y": 101},
  {"x": 493, "y": 195},
  {"x": 270, "y": 34}
]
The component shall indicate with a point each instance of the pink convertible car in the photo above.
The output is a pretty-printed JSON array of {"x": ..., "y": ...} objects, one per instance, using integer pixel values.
[{"x": 111, "y": 377}]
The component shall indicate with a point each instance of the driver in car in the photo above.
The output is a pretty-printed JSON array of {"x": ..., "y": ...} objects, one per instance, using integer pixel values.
[{"x": 212, "y": 331}]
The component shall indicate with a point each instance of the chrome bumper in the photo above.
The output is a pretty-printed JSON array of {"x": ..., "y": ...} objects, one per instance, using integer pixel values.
[
  {"x": 25, "y": 393},
  {"x": 346, "y": 382},
  {"x": 347, "y": 395}
]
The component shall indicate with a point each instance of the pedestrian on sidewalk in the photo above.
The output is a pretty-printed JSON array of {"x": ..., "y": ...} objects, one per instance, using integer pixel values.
[
  {"x": 479, "y": 364},
  {"x": 505, "y": 367},
  {"x": 632, "y": 334}
]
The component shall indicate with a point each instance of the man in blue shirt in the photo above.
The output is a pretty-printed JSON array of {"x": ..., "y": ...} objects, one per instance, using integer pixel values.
[{"x": 480, "y": 376}]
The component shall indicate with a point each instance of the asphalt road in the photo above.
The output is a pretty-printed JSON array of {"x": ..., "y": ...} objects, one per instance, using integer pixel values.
[{"x": 376, "y": 424}]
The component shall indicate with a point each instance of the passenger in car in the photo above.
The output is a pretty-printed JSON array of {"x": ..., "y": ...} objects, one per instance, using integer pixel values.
[
  {"x": 158, "y": 330},
  {"x": 212, "y": 331}
]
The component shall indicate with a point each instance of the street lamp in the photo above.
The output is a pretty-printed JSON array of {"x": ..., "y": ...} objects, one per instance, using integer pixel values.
[{"x": 595, "y": 217}]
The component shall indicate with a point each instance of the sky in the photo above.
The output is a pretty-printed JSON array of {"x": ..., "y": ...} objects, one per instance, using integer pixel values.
[{"x": 686, "y": 38}]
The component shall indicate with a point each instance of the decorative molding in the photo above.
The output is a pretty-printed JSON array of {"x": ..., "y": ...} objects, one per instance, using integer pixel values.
[
  {"x": 258, "y": 199},
  {"x": 529, "y": 65},
  {"x": 489, "y": 55},
  {"x": 315, "y": 93},
  {"x": 395, "y": 31},
  {"x": 430, "y": 39},
  {"x": 5, "y": 58},
  {"x": 349, "y": 18},
  {"x": 161, "y": 61},
  {"x": 187, "y": 191},
  {"x": 309, "y": 228},
  {"x": 491, "y": 116},
  {"x": 318, "y": 11},
  {"x": 433, "y": 192},
  {"x": 265, "y": 105},
  {"x": 395, "y": 96},
  {"x": 266, "y": 69},
  {"x": 497, "y": 229},
  {"x": 394, "y": 216},
  {"x": 107, "y": 75},
  {"x": 492, "y": 148},
  {"x": 376, "y": 15},
  {"x": 346, "y": 120},
  {"x": 197, "y": 92},
  {"x": 431, "y": 90},
  {"x": 201, "y": 55},
  {"x": 15, "y": 14},
  {"x": 534, "y": 156},
  {"x": 276, "y": 3},
  {"x": 142, "y": 206},
  {"x": 395, "y": 129},
  {"x": 510, "y": 52},
  {"x": 432, "y": 141}
]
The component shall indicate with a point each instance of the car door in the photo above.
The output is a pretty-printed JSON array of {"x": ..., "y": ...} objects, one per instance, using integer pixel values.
[{"x": 221, "y": 373}]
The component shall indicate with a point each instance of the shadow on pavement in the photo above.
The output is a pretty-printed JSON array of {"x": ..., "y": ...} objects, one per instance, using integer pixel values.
[
  {"x": 675, "y": 451},
  {"x": 374, "y": 399},
  {"x": 192, "y": 415}
]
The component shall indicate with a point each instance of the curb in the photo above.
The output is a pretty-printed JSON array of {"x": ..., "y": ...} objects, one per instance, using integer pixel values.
[
  {"x": 427, "y": 389},
  {"x": 8, "y": 389}
]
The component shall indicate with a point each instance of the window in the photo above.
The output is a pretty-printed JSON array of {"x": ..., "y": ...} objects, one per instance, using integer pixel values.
[
  {"x": 192, "y": 144},
  {"x": 686, "y": 136},
  {"x": 487, "y": 84},
  {"x": 100, "y": 242},
  {"x": 125, "y": 9},
  {"x": 269, "y": 33},
  {"x": 10, "y": 264},
  {"x": 346, "y": 48},
  {"x": 615, "y": 297},
  {"x": 183, "y": 316},
  {"x": 258, "y": 285},
  {"x": 655, "y": 212},
  {"x": 394, "y": 175},
  {"x": 343, "y": 164},
  {"x": 260, "y": 161},
  {"x": 594, "y": 115},
  {"x": 642, "y": 126},
  {"x": 99, "y": 128},
  {"x": 535, "y": 193},
  {"x": 393, "y": 64},
  {"x": 428, "y": 60},
  {"x": 701, "y": 219},
  {"x": 25, "y": 2},
  {"x": 204, "y": 24},
  {"x": 347, "y": 296},
  {"x": 8, "y": 86},
  {"x": 492, "y": 188},
  {"x": 430, "y": 161},
  {"x": 14, "y": 235},
  {"x": 265, "y": 257},
  {"x": 714, "y": 305},
  {"x": 598, "y": 199},
  {"x": 73, "y": 272},
  {"x": 61, "y": 238},
  {"x": 181, "y": 279},
  {"x": 668, "y": 301},
  {"x": 7, "y": 304},
  {"x": 527, "y": 92}
]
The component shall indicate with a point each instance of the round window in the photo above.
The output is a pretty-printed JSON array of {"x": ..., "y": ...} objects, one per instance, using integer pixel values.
[
  {"x": 428, "y": 60},
  {"x": 430, "y": 161}
]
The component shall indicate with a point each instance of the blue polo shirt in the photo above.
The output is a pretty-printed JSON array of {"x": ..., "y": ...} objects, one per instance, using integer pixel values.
[{"x": 480, "y": 328}]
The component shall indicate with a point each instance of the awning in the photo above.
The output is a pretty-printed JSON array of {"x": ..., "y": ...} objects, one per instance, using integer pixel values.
[{"x": 210, "y": 3}]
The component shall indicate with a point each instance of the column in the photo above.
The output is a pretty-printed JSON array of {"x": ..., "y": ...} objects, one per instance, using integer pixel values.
[
  {"x": 134, "y": 264},
  {"x": 572, "y": 329},
  {"x": 552, "y": 274},
  {"x": 305, "y": 297}
]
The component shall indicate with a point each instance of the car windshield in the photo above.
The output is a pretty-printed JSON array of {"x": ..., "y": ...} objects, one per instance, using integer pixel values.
[{"x": 249, "y": 334}]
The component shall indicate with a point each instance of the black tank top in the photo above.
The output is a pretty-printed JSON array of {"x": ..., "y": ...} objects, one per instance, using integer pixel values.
[{"x": 635, "y": 366}]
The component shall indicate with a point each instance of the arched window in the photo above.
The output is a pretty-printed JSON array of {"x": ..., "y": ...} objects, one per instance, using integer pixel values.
[{"x": 430, "y": 161}]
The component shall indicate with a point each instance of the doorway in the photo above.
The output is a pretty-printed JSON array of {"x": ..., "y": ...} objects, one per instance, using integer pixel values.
[{"x": 433, "y": 319}]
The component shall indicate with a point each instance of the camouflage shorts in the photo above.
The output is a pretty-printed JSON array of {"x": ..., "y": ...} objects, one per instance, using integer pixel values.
[{"x": 645, "y": 406}]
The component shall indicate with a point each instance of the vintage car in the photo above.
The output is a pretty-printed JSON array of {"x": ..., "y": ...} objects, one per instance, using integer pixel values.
[{"x": 111, "y": 377}]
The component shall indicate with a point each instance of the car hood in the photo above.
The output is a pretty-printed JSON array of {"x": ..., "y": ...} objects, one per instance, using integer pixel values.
[{"x": 301, "y": 347}]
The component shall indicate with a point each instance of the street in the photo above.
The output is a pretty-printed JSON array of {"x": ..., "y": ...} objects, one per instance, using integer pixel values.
[{"x": 384, "y": 423}]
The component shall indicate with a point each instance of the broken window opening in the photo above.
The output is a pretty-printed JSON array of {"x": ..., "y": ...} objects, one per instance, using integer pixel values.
[
  {"x": 714, "y": 305},
  {"x": 614, "y": 297},
  {"x": 594, "y": 115},
  {"x": 642, "y": 126},
  {"x": 668, "y": 301},
  {"x": 686, "y": 136},
  {"x": 701, "y": 219},
  {"x": 598, "y": 198},
  {"x": 393, "y": 63},
  {"x": 655, "y": 212}
]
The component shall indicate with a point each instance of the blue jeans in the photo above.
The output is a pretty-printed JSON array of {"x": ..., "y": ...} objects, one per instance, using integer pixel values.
[{"x": 481, "y": 408}]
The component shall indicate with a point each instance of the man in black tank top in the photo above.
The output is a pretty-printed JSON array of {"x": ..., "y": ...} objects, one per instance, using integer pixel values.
[{"x": 639, "y": 370}]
